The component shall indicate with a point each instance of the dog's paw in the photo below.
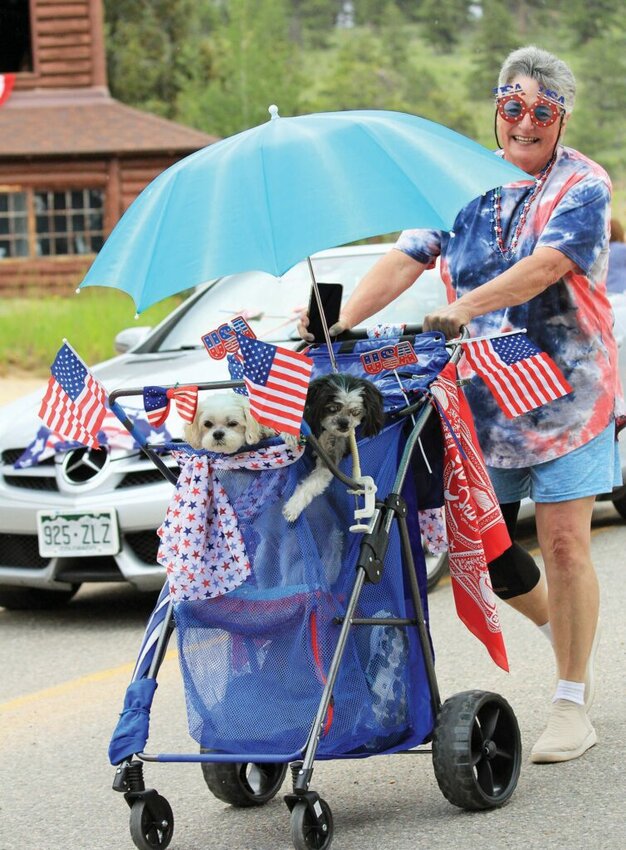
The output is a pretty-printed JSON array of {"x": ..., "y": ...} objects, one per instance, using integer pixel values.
[
  {"x": 292, "y": 510},
  {"x": 292, "y": 441}
]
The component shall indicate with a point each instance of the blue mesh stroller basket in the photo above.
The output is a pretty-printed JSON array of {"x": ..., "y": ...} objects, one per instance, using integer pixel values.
[{"x": 254, "y": 661}]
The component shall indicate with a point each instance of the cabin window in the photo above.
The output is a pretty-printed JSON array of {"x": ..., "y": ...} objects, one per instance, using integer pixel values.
[{"x": 51, "y": 223}]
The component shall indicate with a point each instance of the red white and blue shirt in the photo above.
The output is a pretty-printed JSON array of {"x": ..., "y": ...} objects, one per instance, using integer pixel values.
[{"x": 571, "y": 320}]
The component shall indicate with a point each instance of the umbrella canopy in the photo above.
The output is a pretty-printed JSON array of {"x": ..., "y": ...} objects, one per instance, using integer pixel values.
[{"x": 270, "y": 196}]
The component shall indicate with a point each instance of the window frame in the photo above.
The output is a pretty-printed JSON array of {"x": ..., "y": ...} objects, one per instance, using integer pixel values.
[{"x": 34, "y": 238}]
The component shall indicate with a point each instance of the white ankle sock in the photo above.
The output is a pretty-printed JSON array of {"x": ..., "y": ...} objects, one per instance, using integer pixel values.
[
  {"x": 546, "y": 631},
  {"x": 572, "y": 691}
]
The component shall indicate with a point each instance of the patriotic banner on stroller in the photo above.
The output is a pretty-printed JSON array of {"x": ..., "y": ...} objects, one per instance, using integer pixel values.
[
  {"x": 223, "y": 339},
  {"x": 202, "y": 548},
  {"x": 520, "y": 376},
  {"x": 476, "y": 530},
  {"x": 156, "y": 402},
  {"x": 74, "y": 404},
  {"x": 277, "y": 381},
  {"x": 112, "y": 434}
]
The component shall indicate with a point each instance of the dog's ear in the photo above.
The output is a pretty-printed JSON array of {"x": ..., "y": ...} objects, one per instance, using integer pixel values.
[
  {"x": 191, "y": 432},
  {"x": 316, "y": 398},
  {"x": 374, "y": 411},
  {"x": 254, "y": 431}
]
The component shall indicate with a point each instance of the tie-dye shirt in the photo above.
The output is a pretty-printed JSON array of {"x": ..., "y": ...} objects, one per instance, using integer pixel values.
[{"x": 571, "y": 320}]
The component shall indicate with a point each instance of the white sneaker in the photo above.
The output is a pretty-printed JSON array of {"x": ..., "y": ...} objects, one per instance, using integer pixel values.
[
  {"x": 568, "y": 735},
  {"x": 590, "y": 680}
]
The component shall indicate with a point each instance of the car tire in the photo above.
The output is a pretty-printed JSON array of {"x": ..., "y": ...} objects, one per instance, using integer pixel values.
[{"x": 35, "y": 599}]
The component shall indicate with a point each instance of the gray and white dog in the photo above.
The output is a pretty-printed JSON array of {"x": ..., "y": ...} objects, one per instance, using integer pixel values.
[{"x": 335, "y": 405}]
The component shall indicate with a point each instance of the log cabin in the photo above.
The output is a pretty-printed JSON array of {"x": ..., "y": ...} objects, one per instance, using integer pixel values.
[{"x": 72, "y": 158}]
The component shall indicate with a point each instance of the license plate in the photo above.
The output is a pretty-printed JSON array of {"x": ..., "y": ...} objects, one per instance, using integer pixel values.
[{"x": 70, "y": 535}]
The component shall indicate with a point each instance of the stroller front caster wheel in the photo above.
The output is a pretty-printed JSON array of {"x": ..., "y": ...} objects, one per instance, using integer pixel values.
[
  {"x": 309, "y": 832},
  {"x": 244, "y": 784},
  {"x": 477, "y": 750},
  {"x": 151, "y": 823}
]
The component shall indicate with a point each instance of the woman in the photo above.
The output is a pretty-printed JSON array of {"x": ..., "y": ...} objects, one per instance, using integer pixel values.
[{"x": 533, "y": 255}]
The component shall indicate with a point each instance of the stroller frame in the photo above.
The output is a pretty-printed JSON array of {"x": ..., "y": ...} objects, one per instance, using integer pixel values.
[{"x": 469, "y": 778}]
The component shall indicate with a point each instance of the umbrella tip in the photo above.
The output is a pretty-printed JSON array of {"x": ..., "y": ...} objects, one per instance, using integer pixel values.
[{"x": 273, "y": 111}]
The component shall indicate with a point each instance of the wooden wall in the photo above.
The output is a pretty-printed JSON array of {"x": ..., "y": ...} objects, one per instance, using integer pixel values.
[
  {"x": 121, "y": 178},
  {"x": 68, "y": 47}
]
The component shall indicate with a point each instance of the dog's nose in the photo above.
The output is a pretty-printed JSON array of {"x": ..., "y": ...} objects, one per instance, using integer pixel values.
[
  {"x": 343, "y": 424},
  {"x": 218, "y": 435}
]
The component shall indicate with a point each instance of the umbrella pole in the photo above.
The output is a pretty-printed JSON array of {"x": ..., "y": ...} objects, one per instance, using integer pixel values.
[{"x": 318, "y": 298}]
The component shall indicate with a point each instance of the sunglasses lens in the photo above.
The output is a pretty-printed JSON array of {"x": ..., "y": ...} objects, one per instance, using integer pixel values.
[
  {"x": 544, "y": 113},
  {"x": 511, "y": 110}
]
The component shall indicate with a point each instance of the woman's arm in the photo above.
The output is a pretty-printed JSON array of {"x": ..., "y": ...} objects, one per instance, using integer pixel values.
[{"x": 517, "y": 285}]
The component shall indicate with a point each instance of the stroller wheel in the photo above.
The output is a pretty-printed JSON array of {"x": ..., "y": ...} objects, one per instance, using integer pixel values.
[
  {"x": 477, "y": 750},
  {"x": 151, "y": 823},
  {"x": 244, "y": 784},
  {"x": 309, "y": 832}
]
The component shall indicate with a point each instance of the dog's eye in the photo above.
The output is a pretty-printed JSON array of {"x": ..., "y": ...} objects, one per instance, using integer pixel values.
[
  {"x": 207, "y": 423},
  {"x": 356, "y": 412},
  {"x": 333, "y": 408},
  {"x": 232, "y": 424}
]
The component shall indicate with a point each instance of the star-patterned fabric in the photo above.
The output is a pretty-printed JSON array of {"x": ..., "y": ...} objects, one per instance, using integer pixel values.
[
  {"x": 202, "y": 548},
  {"x": 433, "y": 530}
]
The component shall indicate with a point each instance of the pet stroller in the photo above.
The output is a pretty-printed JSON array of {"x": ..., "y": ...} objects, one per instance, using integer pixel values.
[{"x": 323, "y": 652}]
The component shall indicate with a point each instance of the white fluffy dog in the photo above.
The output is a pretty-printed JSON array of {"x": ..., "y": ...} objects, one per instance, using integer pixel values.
[{"x": 223, "y": 423}]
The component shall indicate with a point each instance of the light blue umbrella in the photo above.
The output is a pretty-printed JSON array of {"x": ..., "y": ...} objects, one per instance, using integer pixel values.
[{"x": 270, "y": 196}]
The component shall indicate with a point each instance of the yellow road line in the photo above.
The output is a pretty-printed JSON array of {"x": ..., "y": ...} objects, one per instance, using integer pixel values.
[{"x": 74, "y": 684}]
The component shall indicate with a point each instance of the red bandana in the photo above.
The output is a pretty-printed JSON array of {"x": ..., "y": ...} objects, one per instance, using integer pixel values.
[{"x": 476, "y": 530}]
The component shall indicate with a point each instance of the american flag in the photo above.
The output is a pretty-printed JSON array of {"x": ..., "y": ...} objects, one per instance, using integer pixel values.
[
  {"x": 520, "y": 375},
  {"x": 277, "y": 381},
  {"x": 74, "y": 405},
  {"x": 7, "y": 81}
]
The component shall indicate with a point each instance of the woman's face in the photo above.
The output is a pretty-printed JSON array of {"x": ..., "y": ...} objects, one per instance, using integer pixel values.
[{"x": 525, "y": 144}]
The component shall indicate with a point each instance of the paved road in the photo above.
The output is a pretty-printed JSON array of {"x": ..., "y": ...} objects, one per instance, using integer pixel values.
[{"x": 63, "y": 679}]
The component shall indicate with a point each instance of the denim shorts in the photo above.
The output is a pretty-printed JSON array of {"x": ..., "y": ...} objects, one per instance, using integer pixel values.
[{"x": 589, "y": 470}]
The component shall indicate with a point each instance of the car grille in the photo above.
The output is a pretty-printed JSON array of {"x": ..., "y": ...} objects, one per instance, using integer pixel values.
[
  {"x": 144, "y": 545},
  {"x": 142, "y": 476},
  {"x": 48, "y": 483},
  {"x": 32, "y": 482},
  {"x": 21, "y": 550}
]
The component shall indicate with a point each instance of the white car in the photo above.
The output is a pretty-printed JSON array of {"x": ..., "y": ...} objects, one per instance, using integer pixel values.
[{"x": 120, "y": 491}]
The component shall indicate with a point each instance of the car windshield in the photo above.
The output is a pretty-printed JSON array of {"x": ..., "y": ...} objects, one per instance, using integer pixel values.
[{"x": 271, "y": 305}]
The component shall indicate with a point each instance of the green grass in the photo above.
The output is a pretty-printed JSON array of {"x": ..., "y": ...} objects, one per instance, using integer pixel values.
[{"x": 32, "y": 329}]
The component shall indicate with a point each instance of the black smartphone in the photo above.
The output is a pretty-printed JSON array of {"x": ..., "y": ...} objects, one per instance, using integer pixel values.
[{"x": 331, "y": 295}]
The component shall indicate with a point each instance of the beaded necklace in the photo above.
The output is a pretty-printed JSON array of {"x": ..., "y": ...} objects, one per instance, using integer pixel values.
[{"x": 507, "y": 251}]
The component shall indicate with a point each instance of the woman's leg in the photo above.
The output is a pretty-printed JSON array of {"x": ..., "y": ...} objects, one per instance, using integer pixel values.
[{"x": 564, "y": 531}]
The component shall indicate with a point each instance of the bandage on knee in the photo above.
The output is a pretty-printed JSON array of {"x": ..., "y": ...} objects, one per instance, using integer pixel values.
[{"x": 514, "y": 572}]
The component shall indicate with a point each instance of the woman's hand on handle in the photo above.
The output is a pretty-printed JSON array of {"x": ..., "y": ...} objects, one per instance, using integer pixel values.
[
  {"x": 449, "y": 320},
  {"x": 334, "y": 330}
]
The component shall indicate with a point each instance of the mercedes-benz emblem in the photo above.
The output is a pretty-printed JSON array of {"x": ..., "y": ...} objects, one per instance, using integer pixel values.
[{"x": 81, "y": 465}]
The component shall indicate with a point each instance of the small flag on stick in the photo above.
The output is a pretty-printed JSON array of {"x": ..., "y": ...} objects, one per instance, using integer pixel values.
[
  {"x": 277, "y": 381},
  {"x": 520, "y": 376},
  {"x": 74, "y": 404}
]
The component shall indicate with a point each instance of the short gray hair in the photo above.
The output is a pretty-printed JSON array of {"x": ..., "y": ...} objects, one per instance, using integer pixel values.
[{"x": 548, "y": 70}]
